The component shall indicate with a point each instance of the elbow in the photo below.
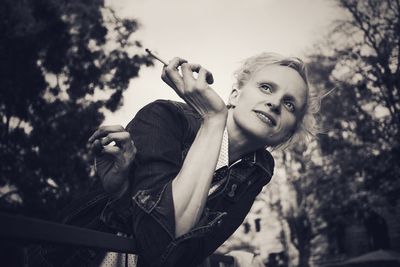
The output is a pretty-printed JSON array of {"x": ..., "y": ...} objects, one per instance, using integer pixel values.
[{"x": 186, "y": 220}]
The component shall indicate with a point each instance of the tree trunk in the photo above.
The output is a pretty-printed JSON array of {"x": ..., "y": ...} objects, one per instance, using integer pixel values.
[{"x": 304, "y": 256}]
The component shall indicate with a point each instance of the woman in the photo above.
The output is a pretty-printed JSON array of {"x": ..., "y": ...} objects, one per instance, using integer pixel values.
[{"x": 199, "y": 166}]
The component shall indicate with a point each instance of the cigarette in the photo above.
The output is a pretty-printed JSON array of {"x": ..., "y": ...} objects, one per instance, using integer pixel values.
[{"x": 156, "y": 57}]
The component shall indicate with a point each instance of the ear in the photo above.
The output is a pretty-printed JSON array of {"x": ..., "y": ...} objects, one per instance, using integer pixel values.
[{"x": 234, "y": 97}]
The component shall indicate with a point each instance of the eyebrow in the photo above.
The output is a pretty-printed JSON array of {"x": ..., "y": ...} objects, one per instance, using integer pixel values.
[
  {"x": 275, "y": 85},
  {"x": 291, "y": 98},
  {"x": 287, "y": 96}
]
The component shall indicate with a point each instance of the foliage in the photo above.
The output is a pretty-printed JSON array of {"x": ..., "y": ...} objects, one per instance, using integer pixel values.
[
  {"x": 363, "y": 119},
  {"x": 57, "y": 57},
  {"x": 355, "y": 168}
]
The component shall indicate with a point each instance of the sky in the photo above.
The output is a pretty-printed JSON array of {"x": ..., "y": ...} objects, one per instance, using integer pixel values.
[{"x": 218, "y": 34}]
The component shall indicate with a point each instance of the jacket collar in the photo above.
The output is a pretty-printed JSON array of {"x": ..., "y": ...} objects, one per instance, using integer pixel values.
[{"x": 263, "y": 159}]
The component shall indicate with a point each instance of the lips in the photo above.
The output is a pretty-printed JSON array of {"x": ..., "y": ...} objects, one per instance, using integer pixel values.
[{"x": 265, "y": 117}]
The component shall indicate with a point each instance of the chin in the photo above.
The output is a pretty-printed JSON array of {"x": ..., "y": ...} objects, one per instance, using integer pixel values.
[
  {"x": 256, "y": 133},
  {"x": 254, "y": 129}
]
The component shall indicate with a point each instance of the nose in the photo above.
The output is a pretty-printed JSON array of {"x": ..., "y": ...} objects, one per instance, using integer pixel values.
[{"x": 274, "y": 107}]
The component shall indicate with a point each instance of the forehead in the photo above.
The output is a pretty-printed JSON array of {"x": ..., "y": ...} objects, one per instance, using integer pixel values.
[{"x": 284, "y": 79}]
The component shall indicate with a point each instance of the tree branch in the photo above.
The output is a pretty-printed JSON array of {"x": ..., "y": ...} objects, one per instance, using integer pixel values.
[{"x": 360, "y": 24}]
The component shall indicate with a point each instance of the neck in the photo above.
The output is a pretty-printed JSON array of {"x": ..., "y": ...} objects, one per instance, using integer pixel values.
[{"x": 240, "y": 143}]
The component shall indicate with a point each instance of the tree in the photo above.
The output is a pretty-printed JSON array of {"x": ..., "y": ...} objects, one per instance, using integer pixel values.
[
  {"x": 354, "y": 170},
  {"x": 57, "y": 57},
  {"x": 364, "y": 125}
]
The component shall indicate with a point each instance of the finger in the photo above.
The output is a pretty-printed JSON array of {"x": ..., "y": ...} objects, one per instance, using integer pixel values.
[
  {"x": 97, "y": 147},
  {"x": 104, "y": 130},
  {"x": 165, "y": 79},
  {"x": 172, "y": 73},
  {"x": 121, "y": 139},
  {"x": 187, "y": 72},
  {"x": 95, "y": 150},
  {"x": 111, "y": 150},
  {"x": 195, "y": 67},
  {"x": 176, "y": 62},
  {"x": 206, "y": 75}
]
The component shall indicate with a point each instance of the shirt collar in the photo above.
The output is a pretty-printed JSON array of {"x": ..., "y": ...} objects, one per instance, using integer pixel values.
[
  {"x": 261, "y": 157},
  {"x": 223, "y": 158}
]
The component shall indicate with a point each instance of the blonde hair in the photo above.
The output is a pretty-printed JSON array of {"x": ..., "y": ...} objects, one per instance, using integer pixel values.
[{"x": 307, "y": 127}]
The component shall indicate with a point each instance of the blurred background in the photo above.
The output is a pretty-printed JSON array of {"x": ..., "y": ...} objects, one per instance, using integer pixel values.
[{"x": 69, "y": 66}]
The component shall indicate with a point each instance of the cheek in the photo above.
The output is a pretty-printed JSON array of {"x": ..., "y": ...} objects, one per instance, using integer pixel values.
[
  {"x": 289, "y": 123},
  {"x": 244, "y": 102}
]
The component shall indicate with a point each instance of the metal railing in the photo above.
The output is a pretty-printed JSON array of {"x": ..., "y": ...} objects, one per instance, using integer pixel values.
[{"x": 29, "y": 230}]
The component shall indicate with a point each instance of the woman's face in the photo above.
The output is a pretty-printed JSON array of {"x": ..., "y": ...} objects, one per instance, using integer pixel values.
[{"x": 269, "y": 104}]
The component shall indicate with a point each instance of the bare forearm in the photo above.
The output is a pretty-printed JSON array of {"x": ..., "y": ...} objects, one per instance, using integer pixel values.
[{"x": 190, "y": 187}]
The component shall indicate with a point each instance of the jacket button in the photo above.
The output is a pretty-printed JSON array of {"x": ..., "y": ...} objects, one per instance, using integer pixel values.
[
  {"x": 143, "y": 198},
  {"x": 232, "y": 192}
]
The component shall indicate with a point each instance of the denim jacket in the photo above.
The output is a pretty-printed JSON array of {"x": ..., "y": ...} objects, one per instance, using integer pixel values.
[{"x": 163, "y": 132}]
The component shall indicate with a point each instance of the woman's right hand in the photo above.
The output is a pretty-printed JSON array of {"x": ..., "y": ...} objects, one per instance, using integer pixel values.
[
  {"x": 112, "y": 162},
  {"x": 196, "y": 92}
]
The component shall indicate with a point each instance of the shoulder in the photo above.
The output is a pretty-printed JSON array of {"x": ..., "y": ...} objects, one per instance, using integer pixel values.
[
  {"x": 165, "y": 114},
  {"x": 166, "y": 108},
  {"x": 265, "y": 161},
  {"x": 157, "y": 112},
  {"x": 159, "y": 105}
]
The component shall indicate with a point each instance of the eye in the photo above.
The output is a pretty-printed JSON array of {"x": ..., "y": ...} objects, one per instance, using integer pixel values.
[
  {"x": 290, "y": 106},
  {"x": 266, "y": 87}
]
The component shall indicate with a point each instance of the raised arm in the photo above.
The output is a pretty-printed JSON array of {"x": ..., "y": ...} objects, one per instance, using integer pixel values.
[{"x": 189, "y": 194}]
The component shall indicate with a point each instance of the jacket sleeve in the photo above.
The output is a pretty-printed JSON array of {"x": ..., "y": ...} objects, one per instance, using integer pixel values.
[{"x": 157, "y": 131}]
